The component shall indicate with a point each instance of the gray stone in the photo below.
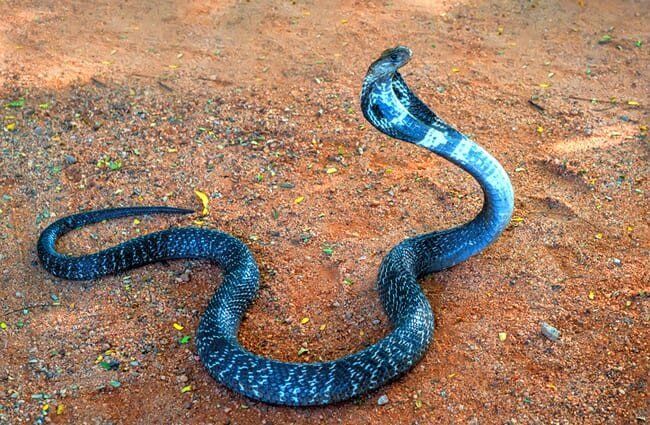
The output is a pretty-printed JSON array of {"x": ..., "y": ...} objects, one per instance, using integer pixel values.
[
  {"x": 550, "y": 332},
  {"x": 382, "y": 400}
]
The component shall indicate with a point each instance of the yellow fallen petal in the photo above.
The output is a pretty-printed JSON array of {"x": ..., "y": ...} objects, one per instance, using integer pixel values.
[
  {"x": 136, "y": 221},
  {"x": 592, "y": 295},
  {"x": 186, "y": 389},
  {"x": 298, "y": 199},
  {"x": 322, "y": 327},
  {"x": 502, "y": 336},
  {"x": 3, "y": 325},
  {"x": 633, "y": 103},
  {"x": 304, "y": 320},
  {"x": 178, "y": 327},
  {"x": 60, "y": 409},
  {"x": 331, "y": 170},
  {"x": 545, "y": 85},
  {"x": 455, "y": 70},
  {"x": 204, "y": 200},
  {"x": 11, "y": 126}
]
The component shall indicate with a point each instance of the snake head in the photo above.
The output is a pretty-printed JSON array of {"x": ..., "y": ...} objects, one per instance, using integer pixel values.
[{"x": 389, "y": 62}]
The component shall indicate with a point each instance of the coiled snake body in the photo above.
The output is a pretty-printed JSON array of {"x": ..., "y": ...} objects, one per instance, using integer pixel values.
[{"x": 391, "y": 107}]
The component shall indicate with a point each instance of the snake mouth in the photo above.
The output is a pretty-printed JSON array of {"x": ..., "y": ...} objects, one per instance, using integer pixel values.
[{"x": 389, "y": 62}]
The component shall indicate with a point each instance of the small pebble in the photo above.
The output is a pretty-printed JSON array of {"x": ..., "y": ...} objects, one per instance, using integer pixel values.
[
  {"x": 617, "y": 262},
  {"x": 184, "y": 277},
  {"x": 550, "y": 332},
  {"x": 69, "y": 159},
  {"x": 382, "y": 400}
]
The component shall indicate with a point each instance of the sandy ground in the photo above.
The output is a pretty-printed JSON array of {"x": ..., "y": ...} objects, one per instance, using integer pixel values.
[{"x": 126, "y": 103}]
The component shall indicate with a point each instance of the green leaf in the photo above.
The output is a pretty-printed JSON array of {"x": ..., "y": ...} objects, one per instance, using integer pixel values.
[
  {"x": 17, "y": 103},
  {"x": 115, "y": 384},
  {"x": 185, "y": 339},
  {"x": 605, "y": 39},
  {"x": 106, "y": 365},
  {"x": 114, "y": 165}
]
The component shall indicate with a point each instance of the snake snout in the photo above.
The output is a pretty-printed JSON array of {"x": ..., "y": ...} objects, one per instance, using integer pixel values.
[
  {"x": 399, "y": 55},
  {"x": 389, "y": 62}
]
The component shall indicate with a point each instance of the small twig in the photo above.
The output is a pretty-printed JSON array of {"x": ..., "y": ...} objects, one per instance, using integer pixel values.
[
  {"x": 135, "y": 74},
  {"x": 216, "y": 80},
  {"x": 537, "y": 106},
  {"x": 564, "y": 279},
  {"x": 31, "y": 306},
  {"x": 614, "y": 102},
  {"x": 165, "y": 86},
  {"x": 98, "y": 83},
  {"x": 592, "y": 99},
  {"x": 604, "y": 109}
]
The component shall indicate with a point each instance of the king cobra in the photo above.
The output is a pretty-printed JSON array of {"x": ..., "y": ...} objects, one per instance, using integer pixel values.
[{"x": 390, "y": 106}]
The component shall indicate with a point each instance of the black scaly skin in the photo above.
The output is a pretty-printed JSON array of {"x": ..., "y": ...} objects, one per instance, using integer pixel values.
[{"x": 391, "y": 107}]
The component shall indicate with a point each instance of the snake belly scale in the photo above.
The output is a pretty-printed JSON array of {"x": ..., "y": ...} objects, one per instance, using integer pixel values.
[{"x": 390, "y": 106}]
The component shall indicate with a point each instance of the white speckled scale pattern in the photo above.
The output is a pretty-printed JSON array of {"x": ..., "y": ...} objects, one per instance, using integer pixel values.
[{"x": 391, "y": 107}]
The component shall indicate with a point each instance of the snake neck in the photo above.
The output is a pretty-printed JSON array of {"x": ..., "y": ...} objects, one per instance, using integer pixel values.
[{"x": 395, "y": 110}]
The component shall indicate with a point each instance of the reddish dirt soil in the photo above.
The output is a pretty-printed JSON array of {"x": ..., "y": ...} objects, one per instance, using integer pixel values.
[{"x": 251, "y": 102}]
